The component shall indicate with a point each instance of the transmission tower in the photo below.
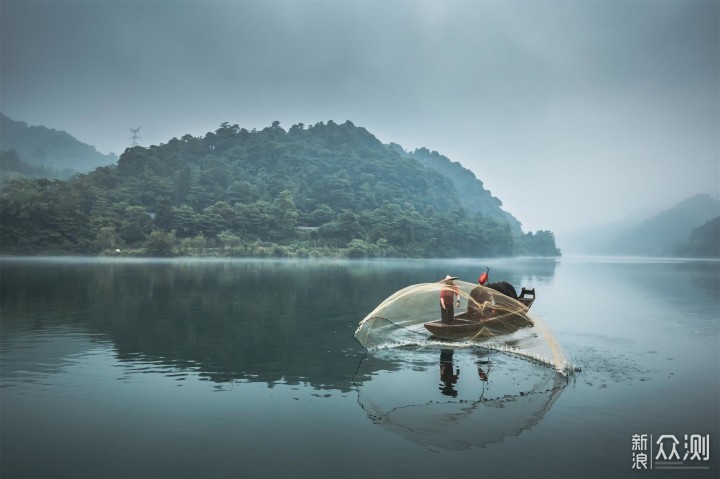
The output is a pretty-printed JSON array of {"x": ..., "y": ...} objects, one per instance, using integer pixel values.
[{"x": 135, "y": 138}]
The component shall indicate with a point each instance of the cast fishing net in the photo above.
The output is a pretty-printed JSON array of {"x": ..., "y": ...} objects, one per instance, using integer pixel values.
[{"x": 494, "y": 321}]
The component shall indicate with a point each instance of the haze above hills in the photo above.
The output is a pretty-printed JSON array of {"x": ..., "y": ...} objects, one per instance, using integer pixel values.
[
  {"x": 45, "y": 152},
  {"x": 685, "y": 229}
]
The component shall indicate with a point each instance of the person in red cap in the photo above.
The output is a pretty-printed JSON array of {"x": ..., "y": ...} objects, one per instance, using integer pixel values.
[
  {"x": 478, "y": 296},
  {"x": 447, "y": 299}
]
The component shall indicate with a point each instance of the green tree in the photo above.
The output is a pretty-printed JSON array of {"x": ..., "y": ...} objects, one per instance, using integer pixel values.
[
  {"x": 198, "y": 243},
  {"x": 229, "y": 240},
  {"x": 358, "y": 248},
  {"x": 183, "y": 220},
  {"x": 286, "y": 214},
  {"x": 107, "y": 239},
  {"x": 136, "y": 225},
  {"x": 160, "y": 243}
]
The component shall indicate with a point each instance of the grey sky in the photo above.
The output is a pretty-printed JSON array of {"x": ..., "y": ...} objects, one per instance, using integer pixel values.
[{"x": 573, "y": 113}]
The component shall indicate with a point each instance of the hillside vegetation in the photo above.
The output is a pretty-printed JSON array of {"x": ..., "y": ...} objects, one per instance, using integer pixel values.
[
  {"x": 474, "y": 198},
  {"x": 324, "y": 190},
  {"x": 704, "y": 241}
]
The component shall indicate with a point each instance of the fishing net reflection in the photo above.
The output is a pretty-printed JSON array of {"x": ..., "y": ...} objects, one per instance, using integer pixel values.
[{"x": 455, "y": 399}]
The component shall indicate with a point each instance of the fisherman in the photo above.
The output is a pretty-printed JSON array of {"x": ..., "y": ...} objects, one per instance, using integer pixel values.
[{"x": 447, "y": 297}]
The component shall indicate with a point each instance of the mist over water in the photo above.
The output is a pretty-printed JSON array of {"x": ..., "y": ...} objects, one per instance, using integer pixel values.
[{"x": 191, "y": 368}]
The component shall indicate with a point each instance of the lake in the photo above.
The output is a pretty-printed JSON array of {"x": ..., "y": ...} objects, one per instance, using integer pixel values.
[{"x": 249, "y": 368}]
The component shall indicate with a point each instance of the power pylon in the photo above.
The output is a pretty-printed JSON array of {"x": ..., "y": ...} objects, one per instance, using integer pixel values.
[{"x": 135, "y": 138}]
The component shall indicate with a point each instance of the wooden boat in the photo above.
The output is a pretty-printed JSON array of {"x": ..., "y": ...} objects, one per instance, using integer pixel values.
[{"x": 492, "y": 322}]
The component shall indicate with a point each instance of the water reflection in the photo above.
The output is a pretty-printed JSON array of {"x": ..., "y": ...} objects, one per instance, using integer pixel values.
[
  {"x": 242, "y": 321},
  {"x": 261, "y": 321},
  {"x": 448, "y": 377},
  {"x": 449, "y": 373},
  {"x": 135, "y": 353},
  {"x": 472, "y": 409}
]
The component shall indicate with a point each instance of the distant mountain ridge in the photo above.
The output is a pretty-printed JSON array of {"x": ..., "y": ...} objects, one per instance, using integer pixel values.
[
  {"x": 49, "y": 148},
  {"x": 662, "y": 234}
]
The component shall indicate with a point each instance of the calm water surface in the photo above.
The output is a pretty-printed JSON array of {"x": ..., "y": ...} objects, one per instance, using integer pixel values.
[{"x": 123, "y": 368}]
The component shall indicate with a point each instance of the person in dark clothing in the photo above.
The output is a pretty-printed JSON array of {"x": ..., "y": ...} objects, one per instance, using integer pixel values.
[{"x": 505, "y": 288}]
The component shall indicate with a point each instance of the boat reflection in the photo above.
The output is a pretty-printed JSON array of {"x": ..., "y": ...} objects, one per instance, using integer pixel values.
[{"x": 472, "y": 408}]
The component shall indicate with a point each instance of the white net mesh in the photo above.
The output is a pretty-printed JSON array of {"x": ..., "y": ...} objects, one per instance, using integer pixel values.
[{"x": 485, "y": 317}]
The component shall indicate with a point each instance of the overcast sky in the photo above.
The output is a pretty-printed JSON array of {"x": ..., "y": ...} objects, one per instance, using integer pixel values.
[{"x": 573, "y": 113}]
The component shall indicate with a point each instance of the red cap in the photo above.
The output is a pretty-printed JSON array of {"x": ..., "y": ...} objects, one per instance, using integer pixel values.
[{"x": 483, "y": 278}]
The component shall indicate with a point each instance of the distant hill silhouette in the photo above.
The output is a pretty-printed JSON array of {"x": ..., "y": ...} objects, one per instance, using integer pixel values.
[
  {"x": 50, "y": 149},
  {"x": 664, "y": 234},
  {"x": 13, "y": 168}
]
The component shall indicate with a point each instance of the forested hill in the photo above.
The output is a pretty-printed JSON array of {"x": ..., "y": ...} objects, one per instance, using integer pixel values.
[
  {"x": 474, "y": 198},
  {"x": 37, "y": 148},
  {"x": 322, "y": 190},
  {"x": 702, "y": 242}
]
